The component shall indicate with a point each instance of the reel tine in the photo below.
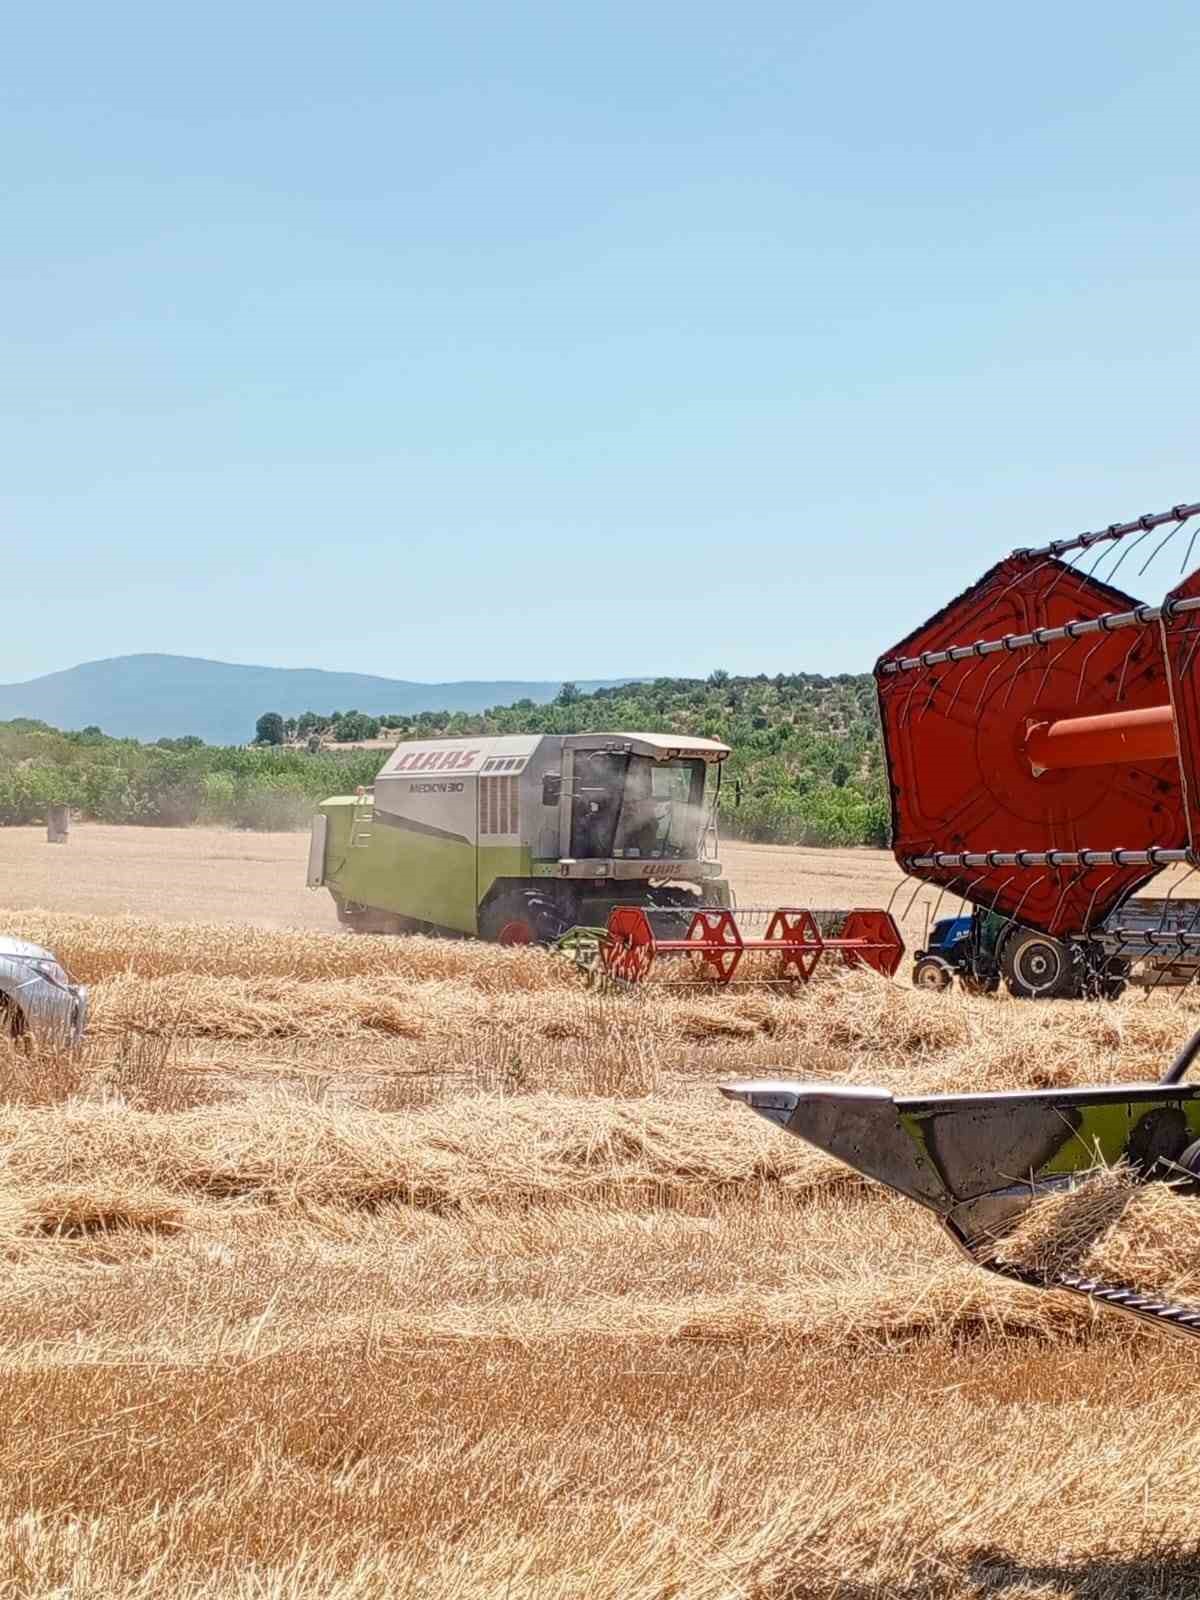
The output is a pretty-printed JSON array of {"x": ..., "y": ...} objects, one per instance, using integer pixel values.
[
  {"x": 1067, "y": 566},
  {"x": 1066, "y": 889},
  {"x": 1161, "y": 545},
  {"x": 1024, "y": 577},
  {"x": 973, "y": 667},
  {"x": 1133, "y": 650},
  {"x": 899, "y": 889},
  {"x": 937, "y": 904},
  {"x": 935, "y": 685},
  {"x": 986, "y": 682},
  {"x": 1125, "y": 550},
  {"x": 913, "y": 900},
  {"x": 1041, "y": 688},
  {"x": 1187, "y": 555},
  {"x": 1023, "y": 665},
  {"x": 1087, "y": 920},
  {"x": 1041, "y": 878},
  {"x": 1083, "y": 668}
]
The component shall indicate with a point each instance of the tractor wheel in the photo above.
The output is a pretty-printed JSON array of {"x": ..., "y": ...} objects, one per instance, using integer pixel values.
[
  {"x": 933, "y": 974},
  {"x": 1037, "y": 967},
  {"x": 522, "y": 916}
]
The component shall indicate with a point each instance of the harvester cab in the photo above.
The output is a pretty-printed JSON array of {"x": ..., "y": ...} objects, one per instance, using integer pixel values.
[{"x": 522, "y": 837}]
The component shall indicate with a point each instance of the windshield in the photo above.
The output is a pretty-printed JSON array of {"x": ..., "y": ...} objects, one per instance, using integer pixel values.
[
  {"x": 662, "y": 814},
  {"x": 634, "y": 808}
]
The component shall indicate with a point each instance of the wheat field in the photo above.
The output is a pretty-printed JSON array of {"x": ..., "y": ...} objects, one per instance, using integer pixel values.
[{"x": 352, "y": 1267}]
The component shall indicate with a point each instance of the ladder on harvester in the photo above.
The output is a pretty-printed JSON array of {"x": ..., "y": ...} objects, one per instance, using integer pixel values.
[{"x": 361, "y": 820}]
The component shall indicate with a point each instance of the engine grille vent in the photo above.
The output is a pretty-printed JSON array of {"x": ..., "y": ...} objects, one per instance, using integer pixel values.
[{"x": 498, "y": 805}]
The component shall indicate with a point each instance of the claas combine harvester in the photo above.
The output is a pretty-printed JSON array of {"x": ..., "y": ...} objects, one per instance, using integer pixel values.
[
  {"x": 603, "y": 843},
  {"x": 1043, "y": 744}
]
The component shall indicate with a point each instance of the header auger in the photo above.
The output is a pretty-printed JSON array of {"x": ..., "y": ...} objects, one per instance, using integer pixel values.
[{"x": 1042, "y": 733}]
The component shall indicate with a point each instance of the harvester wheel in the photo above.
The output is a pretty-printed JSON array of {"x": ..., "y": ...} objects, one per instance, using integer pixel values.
[
  {"x": 932, "y": 973},
  {"x": 1037, "y": 967},
  {"x": 522, "y": 916}
]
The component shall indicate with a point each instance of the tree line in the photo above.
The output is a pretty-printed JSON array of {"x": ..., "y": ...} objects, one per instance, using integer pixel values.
[{"x": 807, "y": 763}]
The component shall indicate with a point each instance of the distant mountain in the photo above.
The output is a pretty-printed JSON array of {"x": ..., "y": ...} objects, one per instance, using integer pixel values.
[{"x": 156, "y": 696}]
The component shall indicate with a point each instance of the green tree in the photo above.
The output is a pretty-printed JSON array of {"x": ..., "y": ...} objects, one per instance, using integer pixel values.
[
  {"x": 269, "y": 728},
  {"x": 354, "y": 727}
]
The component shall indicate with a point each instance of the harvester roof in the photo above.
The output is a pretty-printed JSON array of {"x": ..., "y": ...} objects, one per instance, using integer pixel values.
[
  {"x": 658, "y": 746},
  {"x": 509, "y": 751}
]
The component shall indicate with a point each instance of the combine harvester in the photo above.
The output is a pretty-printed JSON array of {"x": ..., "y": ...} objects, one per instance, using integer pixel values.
[
  {"x": 606, "y": 842},
  {"x": 1042, "y": 736},
  {"x": 1044, "y": 770}
]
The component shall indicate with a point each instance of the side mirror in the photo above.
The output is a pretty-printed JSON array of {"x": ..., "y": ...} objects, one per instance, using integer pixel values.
[{"x": 551, "y": 788}]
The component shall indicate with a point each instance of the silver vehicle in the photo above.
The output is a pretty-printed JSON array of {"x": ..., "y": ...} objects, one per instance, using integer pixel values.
[{"x": 37, "y": 995}]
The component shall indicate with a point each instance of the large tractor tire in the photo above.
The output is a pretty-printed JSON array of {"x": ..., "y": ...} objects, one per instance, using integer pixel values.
[
  {"x": 1037, "y": 967},
  {"x": 522, "y": 916}
]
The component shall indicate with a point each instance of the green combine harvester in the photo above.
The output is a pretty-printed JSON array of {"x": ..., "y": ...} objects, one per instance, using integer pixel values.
[{"x": 520, "y": 838}]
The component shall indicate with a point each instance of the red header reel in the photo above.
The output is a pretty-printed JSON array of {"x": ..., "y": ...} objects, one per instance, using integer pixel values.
[
  {"x": 636, "y": 938},
  {"x": 1042, "y": 735}
]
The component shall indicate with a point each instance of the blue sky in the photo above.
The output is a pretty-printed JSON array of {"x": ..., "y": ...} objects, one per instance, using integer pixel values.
[{"x": 535, "y": 340}]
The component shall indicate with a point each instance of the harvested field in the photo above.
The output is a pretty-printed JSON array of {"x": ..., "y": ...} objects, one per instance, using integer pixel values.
[
  {"x": 214, "y": 875},
  {"x": 351, "y": 1267}
]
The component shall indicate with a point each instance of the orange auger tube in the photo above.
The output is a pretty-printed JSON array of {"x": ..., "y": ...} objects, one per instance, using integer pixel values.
[{"x": 1102, "y": 741}]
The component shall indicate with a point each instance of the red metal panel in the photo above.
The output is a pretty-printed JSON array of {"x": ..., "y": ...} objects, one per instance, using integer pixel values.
[
  {"x": 871, "y": 938},
  {"x": 798, "y": 937},
  {"x": 718, "y": 942},
  {"x": 629, "y": 950},
  {"x": 955, "y": 738}
]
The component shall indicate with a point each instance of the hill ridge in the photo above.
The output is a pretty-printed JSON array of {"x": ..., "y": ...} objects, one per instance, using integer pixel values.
[{"x": 151, "y": 695}]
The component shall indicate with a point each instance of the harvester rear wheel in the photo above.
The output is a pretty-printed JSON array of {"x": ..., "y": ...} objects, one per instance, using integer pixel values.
[
  {"x": 521, "y": 916},
  {"x": 1037, "y": 967}
]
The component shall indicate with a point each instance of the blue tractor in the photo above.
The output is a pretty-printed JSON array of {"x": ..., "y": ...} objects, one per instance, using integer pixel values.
[{"x": 984, "y": 949}]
